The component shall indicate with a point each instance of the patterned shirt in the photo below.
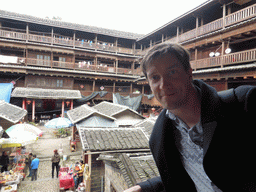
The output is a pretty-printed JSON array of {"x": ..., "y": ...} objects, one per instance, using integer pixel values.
[{"x": 190, "y": 146}]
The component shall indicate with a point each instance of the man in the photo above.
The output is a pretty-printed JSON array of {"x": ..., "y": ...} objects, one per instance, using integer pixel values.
[
  {"x": 28, "y": 161},
  {"x": 34, "y": 167},
  {"x": 199, "y": 141},
  {"x": 4, "y": 161},
  {"x": 55, "y": 163}
]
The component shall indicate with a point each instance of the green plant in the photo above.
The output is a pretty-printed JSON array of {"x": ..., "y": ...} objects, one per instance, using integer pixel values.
[{"x": 32, "y": 123}]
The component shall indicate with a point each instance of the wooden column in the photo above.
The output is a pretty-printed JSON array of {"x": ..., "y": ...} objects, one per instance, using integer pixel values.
[
  {"x": 27, "y": 32},
  {"x": 131, "y": 88},
  {"x": 116, "y": 43},
  {"x": 162, "y": 38},
  {"x": 224, "y": 15},
  {"x": 33, "y": 110},
  {"x": 222, "y": 52},
  {"x": 114, "y": 87},
  {"x": 52, "y": 37},
  {"x": 93, "y": 86},
  {"x": 197, "y": 24},
  {"x": 51, "y": 58},
  {"x": 24, "y": 106},
  {"x": 71, "y": 104},
  {"x": 95, "y": 63},
  {"x": 96, "y": 42},
  {"x": 62, "y": 108},
  {"x": 143, "y": 89},
  {"x": 133, "y": 67},
  {"x": 116, "y": 66},
  {"x": 74, "y": 40},
  {"x": 150, "y": 43},
  {"x": 178, "y": 33}
]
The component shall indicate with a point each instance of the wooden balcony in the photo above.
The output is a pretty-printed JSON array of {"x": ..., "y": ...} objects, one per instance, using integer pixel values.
[
  {"x": 228, "y": 59},
  {"x": 234, "y": 18},
  {"x": 75, "y": 66},
  {"x": 65, "y": 41}
]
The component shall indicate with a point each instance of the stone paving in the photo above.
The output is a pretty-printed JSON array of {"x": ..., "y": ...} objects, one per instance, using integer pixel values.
[{"x": 43, "y": 148}]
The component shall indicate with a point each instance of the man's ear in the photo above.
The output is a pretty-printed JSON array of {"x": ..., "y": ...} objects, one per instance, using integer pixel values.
[{"x": 190, "y": 74}]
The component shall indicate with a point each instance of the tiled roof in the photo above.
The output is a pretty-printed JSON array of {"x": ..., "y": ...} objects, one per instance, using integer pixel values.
[
  {"x": 67, "y": 25},
  {"x": 112, "y": 109},
  {"x": 135, "y": 168},
  {"x": 38, "y": 93},
  {"x": 79, "y": 113},
  {"x": 102, "y": 139},
  {"x": 11, "y": 112},
  {"x": 146, "y": 125}
]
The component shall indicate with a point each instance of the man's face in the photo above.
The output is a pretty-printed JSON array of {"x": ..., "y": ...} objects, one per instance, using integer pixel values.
[{"x": 169, "y": 82}]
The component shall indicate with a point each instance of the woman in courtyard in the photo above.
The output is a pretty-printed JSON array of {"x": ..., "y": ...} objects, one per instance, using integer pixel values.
[{"x": 80, "y": 173}]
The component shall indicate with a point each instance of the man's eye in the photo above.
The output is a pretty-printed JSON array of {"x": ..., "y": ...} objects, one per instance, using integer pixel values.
[
  {"x": 172, "y": 72},
  {"x": 155, "y": 77}
]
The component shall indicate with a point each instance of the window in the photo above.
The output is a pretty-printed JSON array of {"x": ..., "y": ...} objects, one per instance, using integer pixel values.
[
  {"x": 47, "y": 60},
  {"x": 59, "y": 83}
]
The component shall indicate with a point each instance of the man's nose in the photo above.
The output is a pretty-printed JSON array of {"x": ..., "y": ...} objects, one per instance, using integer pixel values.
[{"x": 164, "y": 82}]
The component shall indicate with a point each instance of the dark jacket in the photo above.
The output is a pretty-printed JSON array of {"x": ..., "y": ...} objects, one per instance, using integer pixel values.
[
  {"x": 4, "y": 160},
  {"x": 229, "y": 162}
]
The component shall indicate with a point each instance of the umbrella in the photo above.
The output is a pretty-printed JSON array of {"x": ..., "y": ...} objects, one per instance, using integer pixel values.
[
  {"x": 60, "y": 122},
  {"x": 19, "y": 138},
  {"x": 24, "y": 127}
]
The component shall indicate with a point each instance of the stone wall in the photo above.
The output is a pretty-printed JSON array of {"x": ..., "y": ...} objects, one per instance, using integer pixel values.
[{"x": 114, "y": 178}]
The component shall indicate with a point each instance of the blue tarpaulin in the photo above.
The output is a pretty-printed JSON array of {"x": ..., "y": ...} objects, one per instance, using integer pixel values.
[{"x": 5, "y": 91}]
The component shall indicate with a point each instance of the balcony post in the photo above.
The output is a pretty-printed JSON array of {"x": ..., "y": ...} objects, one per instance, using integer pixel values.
[
  {"x": 116, "y": 66},
  {"x": 116, "y": 42},
  {"x": 51, "y": 58},
  {"x": 93, "y": 86},
  {"x": 133, "y": 67},
  {"x": 52, "y": 37},
  {"x": 33, "y": 110},
  {"x": 224, "y": 15},
  {"x": 96, "y": 42},
  {"x": 197, "y": 23},
  {"x": 178, "y": 33},
  {"x": 222, "y": 53},
  {"x": 74, "y": 39},
  {"x": 96, "y": 63},
  {"x": 114, "y": 87},
  {"x": 27, "y": 32}
]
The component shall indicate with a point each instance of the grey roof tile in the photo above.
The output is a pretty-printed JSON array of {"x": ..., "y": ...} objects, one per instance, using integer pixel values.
[
  {"x": 67, "y": 25},
  {"x": 38, "y": 93},
  {"x": 103, "y": 139},
  {"x": 11, "y": 112}
]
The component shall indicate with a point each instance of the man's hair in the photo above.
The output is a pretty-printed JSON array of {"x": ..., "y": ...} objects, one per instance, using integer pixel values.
[
  {"x": 164, "y": 49},
  {"x": 34, "y": 155},
  {"x": 30, "y": 154}
]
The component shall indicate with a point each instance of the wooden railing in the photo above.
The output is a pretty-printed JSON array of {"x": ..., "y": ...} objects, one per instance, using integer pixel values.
[
  {"x": 241, "y": 15},
  {"x": 229, "y": 59},
  {"x": 77, "y": 66},
  {"x": 231, "y": 19},
  {"x": 67, "y": 41}
]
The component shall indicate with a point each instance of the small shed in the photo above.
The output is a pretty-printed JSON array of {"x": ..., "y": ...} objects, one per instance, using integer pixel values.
[
  {"x": 123, "y": 114},
  {"x": 96, "y": 141},
  {"x": 124, "y": 170},
  {"x": 10, "y": 114},
  {"x": 87, "y": 117}
]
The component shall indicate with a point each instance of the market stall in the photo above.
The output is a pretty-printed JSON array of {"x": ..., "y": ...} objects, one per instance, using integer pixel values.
[
  {"x": 66, "y": 178},
  {"x": 16, "y": 170}
]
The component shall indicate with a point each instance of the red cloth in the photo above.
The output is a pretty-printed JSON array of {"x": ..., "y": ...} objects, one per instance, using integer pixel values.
[{"x": 66, "y": 181}]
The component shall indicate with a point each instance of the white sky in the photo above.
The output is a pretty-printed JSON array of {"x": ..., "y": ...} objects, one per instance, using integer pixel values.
[{"x": 137, "y": 16}]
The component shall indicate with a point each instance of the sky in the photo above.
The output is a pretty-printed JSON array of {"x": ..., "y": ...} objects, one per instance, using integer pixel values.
[{"x": 136, "y": 16}]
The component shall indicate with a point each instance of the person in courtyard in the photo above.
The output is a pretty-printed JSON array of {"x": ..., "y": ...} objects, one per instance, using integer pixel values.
[
  {"x": 80, "y": 173},
  {"x": 55, "y": 163},
  {"x": 4, "y": 161},
  {"x": 34, "y": 168},
  {"x": 28, "y": 161},
  {"x": 202, "y": 140}
]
